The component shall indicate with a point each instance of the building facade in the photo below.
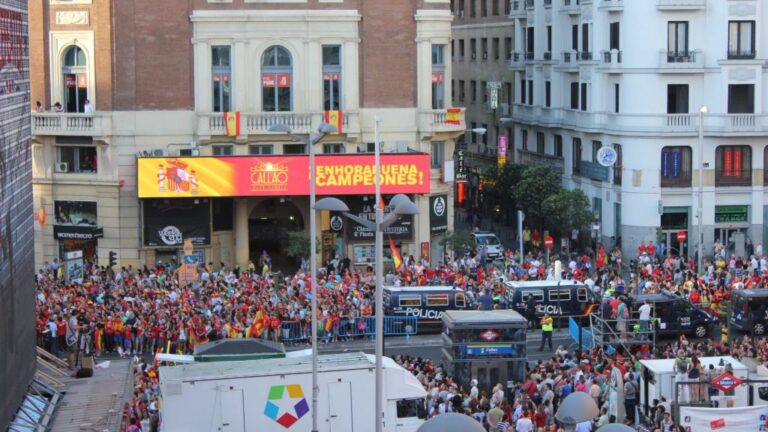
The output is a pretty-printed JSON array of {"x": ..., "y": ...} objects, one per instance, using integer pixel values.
[
  {"x": 17, "y": 327},
  {"x": 183, "y": 100},
  {"x": 633, "y": 76}
]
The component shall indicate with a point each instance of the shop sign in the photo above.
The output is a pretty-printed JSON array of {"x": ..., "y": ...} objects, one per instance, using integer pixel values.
[
  {"x": 73, "y": 232},
  {"x": 438, "y": 214},
  {"x": 726, "y": 382},
  {"x": 461, "y": 167},
  {"x": 195, "y": 177},
  {"x": 489, "y": 335},
  {"x": 401, "y": 229},
  {"x": 731, "y": 214},
  {"x": 489, "y": 349},
  {"x": 170, "y": 222}
]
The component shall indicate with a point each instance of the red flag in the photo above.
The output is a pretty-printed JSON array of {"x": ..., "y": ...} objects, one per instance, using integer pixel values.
[
  {"x": 40, "y": 216},
  {"x": 398, "y": 260}
]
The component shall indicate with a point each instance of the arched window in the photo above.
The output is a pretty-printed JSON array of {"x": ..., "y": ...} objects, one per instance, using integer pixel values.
[
  {"x": 676, "y": 166},
  {"x": 733, "y": 166},
  {"x": 276, "y": 79},
  {"x": 75, "y": 72}
]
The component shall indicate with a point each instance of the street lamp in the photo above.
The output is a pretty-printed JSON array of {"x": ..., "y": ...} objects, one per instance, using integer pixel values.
[
  {"x": 310, "y": 141},
  {"x": 700, "y": 212}
]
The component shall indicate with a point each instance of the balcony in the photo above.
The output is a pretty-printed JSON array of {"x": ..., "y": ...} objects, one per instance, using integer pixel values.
[
  {"x": 680, "y": 4},
  {"x": 611, "y": 5},
  {"x": 482, "y": 151},
  {"x": 547, "y": 56},
  {"x": 685, "y": 61},
  {"x": 568, "y": 62},
  {"x": 517, "y": 62},
  {"x": 518, "y": 9},
  {"x": 529, "y": 57},
  {"x": 529, "y": 4},
  {"x": 555, "y": 163},
  {"x": 584, "y": 56},
  {"x": 570, "y": 7},
  {"x": 612, "y": 61},
  {"x": 432, "y": 122},
  {"x": 213, "y": 124},
  {"x": 71, "y": 124}
]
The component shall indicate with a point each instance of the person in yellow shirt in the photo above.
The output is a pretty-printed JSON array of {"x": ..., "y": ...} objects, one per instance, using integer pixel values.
[{"x": 547, "y": 326}]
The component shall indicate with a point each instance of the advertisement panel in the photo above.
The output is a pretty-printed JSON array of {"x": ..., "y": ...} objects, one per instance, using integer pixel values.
[
  {"x": 743, "y": 419},
  {"x": 401, "y": 229},
  {"x": 195, "y": 177},
  {"x": 438, "y": 214},
  {"x": 170, "y": 222}
]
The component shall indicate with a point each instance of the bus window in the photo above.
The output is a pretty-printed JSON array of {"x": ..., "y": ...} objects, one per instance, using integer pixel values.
[
  {"x": 762, "y": 393},
  {"x": 538, "y": 295},
  {"x": 581, "y": 295},
  {"x": 410, "y": 300},
  {"x": 460, "y": 301},
  {"x": 437, "y": 300},
  {"x": 562, "y": 295}
]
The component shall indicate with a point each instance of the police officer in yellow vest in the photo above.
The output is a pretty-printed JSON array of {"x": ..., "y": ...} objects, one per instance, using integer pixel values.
[{"x": 546, "y": 331}]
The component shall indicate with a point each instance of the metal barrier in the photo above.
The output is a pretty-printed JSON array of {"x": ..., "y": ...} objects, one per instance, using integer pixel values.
[{"x": 347, "y": 329}]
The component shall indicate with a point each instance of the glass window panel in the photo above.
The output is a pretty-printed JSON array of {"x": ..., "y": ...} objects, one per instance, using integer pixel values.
[
  {"x": 268, "y": 59},
  {"x": 268, "y": 102},
  {"x": 283, "y": 98},
  {"x": 283, "y": 57},
  {"x": 331, "y": 55},
  {"x": 733, "y": 37}
]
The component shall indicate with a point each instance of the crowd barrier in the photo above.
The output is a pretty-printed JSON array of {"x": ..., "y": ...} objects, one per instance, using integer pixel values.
[{"x": 346, "y": 329}]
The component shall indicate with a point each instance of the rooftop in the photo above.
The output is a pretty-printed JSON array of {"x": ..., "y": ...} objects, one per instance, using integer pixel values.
[{"x": 469, "y": 317}]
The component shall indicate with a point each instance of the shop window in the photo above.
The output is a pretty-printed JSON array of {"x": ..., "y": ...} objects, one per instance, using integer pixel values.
[
  {"x": 76, "y": 159},
  {"x": 332, "y": 77},
  {"x": 75, "y": 80},
  {"x": 733, "y": 166},
  {"x": 676, "y": 167},
  {"x": 276, "y": 79},
  {"x": 222, "y": 150},
  {"x": 334, "y": 148},
  {"x": 260, "y": 149},
  {"x": 294, "y": 149},
  {"x": 222, "y": 78}
]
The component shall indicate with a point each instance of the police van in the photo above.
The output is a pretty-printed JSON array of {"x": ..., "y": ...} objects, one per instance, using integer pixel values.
[
  {"x": 426, "y": 303},
  {"x": 565, "y": 298},
  {"x": 674, "y": 315},
  {"x": 749, "y": 310}
]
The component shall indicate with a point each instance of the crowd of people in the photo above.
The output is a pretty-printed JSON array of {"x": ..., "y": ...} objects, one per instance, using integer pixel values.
[{"x": 139, "y": 311}]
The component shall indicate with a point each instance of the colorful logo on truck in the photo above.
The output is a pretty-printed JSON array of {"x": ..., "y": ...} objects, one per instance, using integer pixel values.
[{"x": 286, "y": 396}]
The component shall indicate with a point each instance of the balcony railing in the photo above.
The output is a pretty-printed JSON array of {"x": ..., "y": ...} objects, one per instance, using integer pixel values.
[
  {"x": 612, "y": 57},
  {"x": 680, "y": 4},
  {"x": 517, "y": 9},
  {"x": 611, "y": 5},
  {"x": 568, "y": 57},
  {"x": 528, "y": 157},
  {"x": 529, "y": 56},
  {"x": 517, "y": 60},
  {"x": 213, "y": 124},
  {"x": 570, "y": 7},
  {"x": 436, "y": 121},
  {"x": 685, "y": 60},
  {"x": 548, "y": 56},
  {"x": 726, "y": 178},
  {"x": 584, "y": 56},
  {"x": 741, "y": 55},
  {"x": 72, "y": 124}
]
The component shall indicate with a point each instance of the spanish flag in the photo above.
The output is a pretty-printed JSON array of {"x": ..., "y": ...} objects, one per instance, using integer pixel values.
[
  {"x": 395, "y": 254},
  {"x": 40, "y": 216},
  {"x": 334, "y": 118},
  {"x": 257, "y": 326},
  {"x": 453, "y": 116},
  {"x": 232, "y": 122}
]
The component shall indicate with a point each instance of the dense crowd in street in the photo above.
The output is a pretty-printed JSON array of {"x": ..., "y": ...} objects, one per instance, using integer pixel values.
[{"x": 134, "y": 311}]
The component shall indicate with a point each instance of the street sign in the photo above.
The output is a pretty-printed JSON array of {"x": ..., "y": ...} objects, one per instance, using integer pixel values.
[
  {"x": 549, "y": 242},
  {"x": 682, "y": 236},
  {"x": 726, "y": 382},
  {"x": 489, "y": 335}
]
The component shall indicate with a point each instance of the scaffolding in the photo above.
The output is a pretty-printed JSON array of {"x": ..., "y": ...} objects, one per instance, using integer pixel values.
[{"x": 626, "y": 333}]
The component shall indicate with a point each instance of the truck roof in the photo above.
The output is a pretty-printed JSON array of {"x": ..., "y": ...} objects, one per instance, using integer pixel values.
[
  {"x": 668, "y": 365},
  {"x": 663, "y": 296},
  {"x": 543, "y": 284},
  {"x": 395, "y": 289},
  {"x": 760, "y": 292},
  {"x": 484, "y": 317}
]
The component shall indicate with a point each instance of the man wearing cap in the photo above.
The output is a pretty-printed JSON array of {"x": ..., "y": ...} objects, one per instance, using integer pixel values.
[{"x": 546, "y": 331}]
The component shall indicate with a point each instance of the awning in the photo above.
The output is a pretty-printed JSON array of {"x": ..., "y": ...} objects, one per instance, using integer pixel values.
[{"x": 77, "y": 232}]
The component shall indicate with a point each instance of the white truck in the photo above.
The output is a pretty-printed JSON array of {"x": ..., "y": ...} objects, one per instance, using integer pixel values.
[{"x": 275, "y": 395}]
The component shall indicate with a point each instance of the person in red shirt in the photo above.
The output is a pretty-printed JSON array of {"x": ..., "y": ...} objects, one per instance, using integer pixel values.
[
  {"x": 641, "y": 249},
  {"x": 651, "y": 249},
  {"x": 61, "y": 331}
]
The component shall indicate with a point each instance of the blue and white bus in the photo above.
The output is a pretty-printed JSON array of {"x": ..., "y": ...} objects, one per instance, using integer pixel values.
[{"x": 426, "y": 303}]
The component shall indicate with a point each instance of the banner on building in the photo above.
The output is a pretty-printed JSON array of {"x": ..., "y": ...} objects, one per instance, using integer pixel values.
[
  {"x": 401, "y": 229},
  {"x": 167, "y": 223},
  {"x": 232, "y": 122},
  {"x": 502, "y": 150},
  {"x": 438, "y": 214},
  {"x": 742, "y": 419},
  {"x": 335, "y": 118},
  {"x": 195, "y": 177},
  {"x": 453, "y": 116}
]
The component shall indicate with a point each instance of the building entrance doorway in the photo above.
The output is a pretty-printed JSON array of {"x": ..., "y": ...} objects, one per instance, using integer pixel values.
[{"x": 268, "y": 227}]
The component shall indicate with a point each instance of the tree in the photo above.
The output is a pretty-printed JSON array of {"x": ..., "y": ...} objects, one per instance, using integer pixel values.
[
  {"x": 299, "y": 244},
  {"x": 506, "y": 179},
  {"x": 536, "y": 185},
  {"x": 567, "y": 209},
  {"x": 459, "y": 240}
]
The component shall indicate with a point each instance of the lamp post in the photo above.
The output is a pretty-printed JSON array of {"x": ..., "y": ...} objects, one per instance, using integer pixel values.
[
  {"x": 700, "y": 211},
  {"x": 310, "y": 141}
]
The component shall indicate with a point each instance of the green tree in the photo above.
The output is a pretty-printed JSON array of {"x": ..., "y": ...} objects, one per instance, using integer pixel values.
[
  {"x": 536, "y": 185},
  {"x": 506, "y": 180},
  {"x": 299, "y": 244},
  {"x": 567, "y": 209},
  {"x": 458, "y": 240}
]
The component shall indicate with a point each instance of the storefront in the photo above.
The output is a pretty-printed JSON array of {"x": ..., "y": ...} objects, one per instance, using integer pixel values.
[
  {"x": 75, "y": 228},
  {"x": 673, "y": 221},
  {"x": 730, "y": 220}
]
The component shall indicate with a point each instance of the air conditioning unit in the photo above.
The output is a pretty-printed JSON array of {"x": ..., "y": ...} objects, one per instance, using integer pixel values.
[
  {"x": 159, "y": 152},
  {"x": 61, "y": 167}
]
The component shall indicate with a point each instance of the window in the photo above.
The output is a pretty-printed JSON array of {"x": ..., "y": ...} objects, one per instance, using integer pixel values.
[
  {"x": 461, "y": 8},
  {"x": 537, "y": 295},
  {"x": 618, "y": 166},
  {"x": 222, "y": 78},
  {"x": 559, "y": 295},
  {"x": 276, "y": 79},
  {"x": 677, "y": 41},
  {"x": 616, "y": 99},
  {"x": 472, "y": 8},
  {"x": 294, "y": 149},
  {"x": 581, "y": 295},
  {"x": 585, "y": 38},
  {"x": 437, "y": 299},
  {"x": 558, "y": 146},
  {"x": 576, "y": 156},
  {"x": 522, "y": 91},
  {"x": 484, "y": 8},
  {"x": 547, "y": 94},
  {"x": 525, "y": 139},
  {"x": 574, "y": 95},
  {"x": 765, "y": 166},
  {"x": 76, "y": 159},
  {"x": 595, "y": 148},
  {"x": 676, "y": 167},
  {"x": 453, "y": 50},
  {"x": 614, "y": 40},
  {"x": 75, "y": 79},
  {"x": 460, "y": 300},
  {"x": 540, "y": 142},
  {"x": 677, "y": 99},
  {"x": 462, "y": 94},
  {"x": 583, "y": 96},
  {"x": 508, "y": 47},
  {"x": 260, "y": 149},
  {"x": 733, "y": 166},
  {"x": 496, "y": 49},
  {"x": 473, "y": 90},
  {"x": 438, "y": 77},
  {"x": 741, "y": 98},
  {"x": 461, "y": 49},
  {"x": 484, "y": 48},
  {"x": 741, "y": 39},
  {"x": 222, "y": 150},
  {"x": 437, "y": 154},
  {"x": 529, "y": 43},
  {"x": 473, "y": 48},
  {"x": 332, "y": 77},
  {"x": 496, "y": 8},
  {"x": 530, "y": 92},
  {"x": 549, "y": 39},
  {"x": 409, "y": 300},
  {"x": 507, "y": 7},
  {"x": 484, "y": 88},
  {"x": 485, "y": 135},
  {"x": 508, "y": 87},
  {"x": 333, "y": 148},
  {"x": 575, "y": 37}
]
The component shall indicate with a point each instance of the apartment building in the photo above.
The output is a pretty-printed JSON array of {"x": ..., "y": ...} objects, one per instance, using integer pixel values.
[
  {"x": 178, "y": 138},
  {"x": 644, "y": 78}
]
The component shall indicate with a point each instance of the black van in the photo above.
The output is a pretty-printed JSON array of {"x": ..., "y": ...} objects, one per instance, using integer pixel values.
[
  {"x": 675, "y": 315},
  {"x": 566, "y": 298},
  {"x": 425, "y": 303},
  {"x": 749, "y": 310}
]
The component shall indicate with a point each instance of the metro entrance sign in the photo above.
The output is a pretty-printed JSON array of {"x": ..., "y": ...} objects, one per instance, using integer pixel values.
[{"x": 726, "y": 382}]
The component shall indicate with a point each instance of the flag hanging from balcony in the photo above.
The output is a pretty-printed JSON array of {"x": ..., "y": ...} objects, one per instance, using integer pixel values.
[
  {"x": 334, "y": 118},
  {"x": 232, "y": 123},
  {"x": 40, "y": 216},
  {"x": 396, "y": 258},
  {"x": 453, "y": 116}
]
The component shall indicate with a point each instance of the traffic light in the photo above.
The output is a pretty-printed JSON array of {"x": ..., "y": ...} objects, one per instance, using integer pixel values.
[{"x": 112, "y": 259}]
